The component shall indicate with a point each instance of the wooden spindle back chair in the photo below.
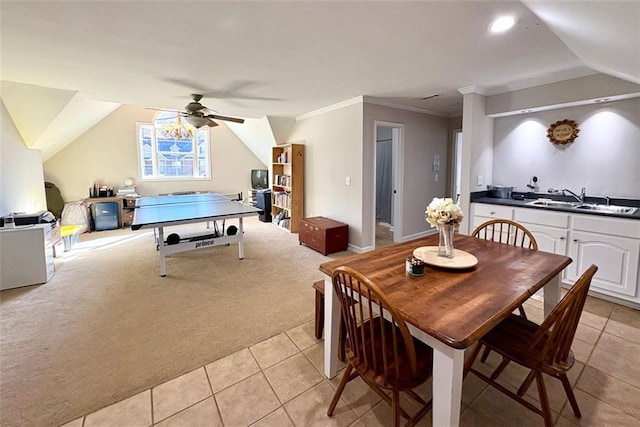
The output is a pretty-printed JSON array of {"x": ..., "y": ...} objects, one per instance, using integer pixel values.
[
  {"x": 379, "y": 346},
  {"x": 507, "y": 232},
  {"x": 544, "y": 348}
]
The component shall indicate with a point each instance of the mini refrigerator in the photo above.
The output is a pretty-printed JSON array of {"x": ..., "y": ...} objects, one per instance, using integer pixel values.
[{"x": 105, "y": 216}]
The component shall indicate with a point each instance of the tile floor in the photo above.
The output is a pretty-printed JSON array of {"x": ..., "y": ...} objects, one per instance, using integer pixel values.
[{"x": 279, "y": 382}]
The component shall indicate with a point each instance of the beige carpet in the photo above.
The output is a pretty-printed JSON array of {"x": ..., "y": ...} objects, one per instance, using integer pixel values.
[{"x": 107, "y": 326}]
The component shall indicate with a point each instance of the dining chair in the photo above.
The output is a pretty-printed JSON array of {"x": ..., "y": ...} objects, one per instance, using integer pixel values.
[
  {"x": 544, "y": 349},
  {"x": 379, "y": 346},
  {"x": 508, "y": 232}
]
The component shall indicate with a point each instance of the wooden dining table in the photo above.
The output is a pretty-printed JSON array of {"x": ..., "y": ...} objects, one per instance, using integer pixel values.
[{"x": 449, "y": 309}]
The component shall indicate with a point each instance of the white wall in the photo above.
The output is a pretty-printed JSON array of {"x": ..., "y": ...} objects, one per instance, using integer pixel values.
[
  {"x": 604, "y": 158},
  {"x": 341, "y": 143},
  {"x": 477, "y": 151},
  {"x": 108, "y": 153},
  {"x": 333, "y": 151},
  {"x": 21, "y": 177},
  {"x": 424, "y": 136}
]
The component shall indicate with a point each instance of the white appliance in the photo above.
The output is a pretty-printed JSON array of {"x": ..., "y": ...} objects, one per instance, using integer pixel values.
[{"x": 26, "y": 255}]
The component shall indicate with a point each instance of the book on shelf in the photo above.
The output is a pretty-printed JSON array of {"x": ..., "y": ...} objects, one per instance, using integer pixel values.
[
  {"x": 280, "y": 217},
  {"x": 284, "y": 157},
  {"x": 283, "y": 199},
  {"x": 282, "y": 180}
]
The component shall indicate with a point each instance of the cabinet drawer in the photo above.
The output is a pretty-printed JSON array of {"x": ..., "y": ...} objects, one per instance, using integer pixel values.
[
  {"x": 492, "y": 211},
  {"x": 127, "y": 216},
  {"x": 538, "y": 216},
  {"x": 129, "y": 202},
  {"x": 611, "y": 226}
]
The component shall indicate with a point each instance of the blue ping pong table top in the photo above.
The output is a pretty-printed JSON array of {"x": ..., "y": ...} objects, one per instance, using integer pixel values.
[
  {"x": 182, "y": 198},
  {"x": 171, "y": 210}
]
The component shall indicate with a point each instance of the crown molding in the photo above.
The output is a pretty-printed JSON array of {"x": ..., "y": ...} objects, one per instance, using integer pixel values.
[
  {"x": 339, "y": 105},
  {"x": 376, "y": 101}
]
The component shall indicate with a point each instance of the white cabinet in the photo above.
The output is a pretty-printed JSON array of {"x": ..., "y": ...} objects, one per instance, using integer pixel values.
[
  {"x": 606, "y": 242},
  {"x": 26, "y": 256},
  {"x": 611, "y": 243},
  {"x": 550, "y": 229}
]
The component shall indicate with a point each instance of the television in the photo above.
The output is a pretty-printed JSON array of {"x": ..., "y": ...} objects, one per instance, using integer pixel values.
[{"x": 259, "y": 179}]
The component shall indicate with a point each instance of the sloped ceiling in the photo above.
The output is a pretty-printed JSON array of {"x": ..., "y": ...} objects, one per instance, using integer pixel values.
[
  {"x": 605, "y": 35},
  {"x": 285, "y": 59},
  {"x": 49, "y": 119}
]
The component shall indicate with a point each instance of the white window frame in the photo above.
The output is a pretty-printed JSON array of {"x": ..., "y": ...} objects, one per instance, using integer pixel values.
[{"x": 197, "y": 158}]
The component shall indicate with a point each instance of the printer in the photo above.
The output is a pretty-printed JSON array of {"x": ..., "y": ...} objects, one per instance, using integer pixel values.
[{"x": 40, "y": 217}]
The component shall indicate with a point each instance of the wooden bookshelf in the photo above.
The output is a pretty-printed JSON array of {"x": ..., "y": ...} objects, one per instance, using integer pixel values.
[{"x": 287, "y": 186}]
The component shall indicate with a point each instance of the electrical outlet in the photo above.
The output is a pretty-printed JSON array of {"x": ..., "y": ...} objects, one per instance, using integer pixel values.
[
  {"x": 435, "y": 176},
  {"x": 348, "y": 180},
  {"x": 480, "y": 180}
]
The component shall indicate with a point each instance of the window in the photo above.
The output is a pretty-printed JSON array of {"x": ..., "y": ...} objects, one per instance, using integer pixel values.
[{"x": 172, "y": 149}]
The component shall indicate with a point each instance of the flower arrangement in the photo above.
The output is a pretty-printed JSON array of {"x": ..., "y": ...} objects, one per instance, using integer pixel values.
[{"x": 443, "y": 211}]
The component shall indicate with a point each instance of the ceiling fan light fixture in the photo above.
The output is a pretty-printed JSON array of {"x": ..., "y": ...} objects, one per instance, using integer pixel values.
[
  {"x": 197, "y": 122},
  {"x": 502, "y": 24}
]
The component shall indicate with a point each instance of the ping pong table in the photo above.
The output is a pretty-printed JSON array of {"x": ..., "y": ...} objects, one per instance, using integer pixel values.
[{"x": 164, "y": 211}]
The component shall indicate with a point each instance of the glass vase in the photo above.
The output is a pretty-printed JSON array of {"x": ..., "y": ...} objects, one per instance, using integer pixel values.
[{"x": 445, "y": 244}]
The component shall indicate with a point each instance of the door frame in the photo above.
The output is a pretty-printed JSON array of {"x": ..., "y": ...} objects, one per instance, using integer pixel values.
[
  {"x": 397, "y": 148},
  {"x": 455, "y": 162}
]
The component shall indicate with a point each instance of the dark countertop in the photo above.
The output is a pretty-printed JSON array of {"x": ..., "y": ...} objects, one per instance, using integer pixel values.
[{"x": 521, "y": 199}]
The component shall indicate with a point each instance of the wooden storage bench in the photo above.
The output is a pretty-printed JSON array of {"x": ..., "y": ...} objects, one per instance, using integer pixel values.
[{"x": 323, "y": 234}]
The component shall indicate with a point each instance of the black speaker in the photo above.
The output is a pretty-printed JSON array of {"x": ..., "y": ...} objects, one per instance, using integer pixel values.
[{"x": 263, "y": 200}]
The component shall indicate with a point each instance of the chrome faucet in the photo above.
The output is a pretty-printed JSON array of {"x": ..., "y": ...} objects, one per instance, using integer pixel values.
[{"x": 580, "y": 198}]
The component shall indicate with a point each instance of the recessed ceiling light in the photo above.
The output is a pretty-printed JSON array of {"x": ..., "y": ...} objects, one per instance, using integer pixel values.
[{"x": 502, "y": 24}]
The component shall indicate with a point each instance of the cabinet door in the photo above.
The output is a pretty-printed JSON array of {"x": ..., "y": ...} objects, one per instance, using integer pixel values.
[
  {"x": 549, "y": 239},
  {"x": 616, "y": 258}
]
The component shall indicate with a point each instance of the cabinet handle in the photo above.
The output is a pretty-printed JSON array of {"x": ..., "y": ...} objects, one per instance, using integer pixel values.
[
  {"x": 492, "y": 213},
  {"x": 575, "y": 240},
  {"x": 562, "y": 238}
]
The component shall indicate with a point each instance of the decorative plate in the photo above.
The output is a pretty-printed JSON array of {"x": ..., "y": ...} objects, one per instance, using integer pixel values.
[
  {"x": 563, "y": 132},
  {"x": 460, "y": 260}
]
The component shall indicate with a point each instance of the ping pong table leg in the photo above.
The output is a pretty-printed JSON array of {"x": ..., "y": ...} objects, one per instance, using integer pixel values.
[
  {"x": 241, "y": 241},
  {"x": 162, "y": 249}
]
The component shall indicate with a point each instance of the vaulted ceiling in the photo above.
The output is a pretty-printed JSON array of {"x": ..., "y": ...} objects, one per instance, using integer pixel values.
[{"x": 67, "y": 65}]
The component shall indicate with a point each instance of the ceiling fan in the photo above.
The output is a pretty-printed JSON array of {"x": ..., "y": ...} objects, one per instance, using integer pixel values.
[{"x": 197, "y": 115}]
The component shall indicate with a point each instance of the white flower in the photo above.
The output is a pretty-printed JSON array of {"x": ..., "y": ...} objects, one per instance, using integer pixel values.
[{"x": 443, "y": 211}]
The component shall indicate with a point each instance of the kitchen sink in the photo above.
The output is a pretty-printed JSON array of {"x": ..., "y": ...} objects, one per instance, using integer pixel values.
[
  {"x": 552, "y": 203},
  {"x": 608, "y": 209},
  {"x": 625, "y": 210}
]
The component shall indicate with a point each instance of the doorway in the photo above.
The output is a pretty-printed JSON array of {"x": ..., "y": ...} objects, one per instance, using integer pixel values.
[
  {"x": 457, "y": 165},
  {"x": 387, "y": 190}
]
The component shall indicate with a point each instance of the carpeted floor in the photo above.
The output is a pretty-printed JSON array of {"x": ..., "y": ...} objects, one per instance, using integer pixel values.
[{"x": 107, "y": 326}]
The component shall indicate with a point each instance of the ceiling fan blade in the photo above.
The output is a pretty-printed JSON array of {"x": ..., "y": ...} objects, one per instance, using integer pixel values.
[
  {"x": 226, "y": 118},
  {"x": 165, "y": 109},
  {"x": 211, "y": 123}
]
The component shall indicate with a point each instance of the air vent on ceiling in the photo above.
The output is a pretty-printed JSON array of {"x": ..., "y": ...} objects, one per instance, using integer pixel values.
[{"x": 424, "y": 98}]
